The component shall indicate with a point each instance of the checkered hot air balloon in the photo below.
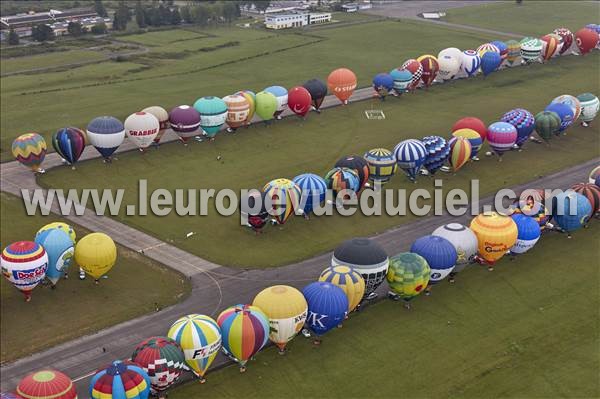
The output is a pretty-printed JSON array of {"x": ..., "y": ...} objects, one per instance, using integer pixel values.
[
  {"x": 339, "y": 179},
  {"x": 438, "y": 151},
  {"x": 410, "y": 155},
  {"x": 531, "y": 49},
  {"x": 414, "y": 67},
  {"x": 285, "y": 196},
  {"x": 382, "y": 165},
  {"x": 162, "y": 359},
  {"x": 349, "y": 280},
  {"x": 24, "y": 264},
  {"x": 106, "y": 134},
  {"x": 501, "y": 136},
  {"x": 590, "y": 105},
  {"x": 120, "y": 380},
  {"x": 523, "y": 121},
  {"x": 69, "y": 143},
  {"x": 313, "y": 190},
  {"x": 460, "y": 152},
  {"x": 408, "y": 275},
  {"x": 30, "y": 150},
  {"x": 46, "y": 384}
]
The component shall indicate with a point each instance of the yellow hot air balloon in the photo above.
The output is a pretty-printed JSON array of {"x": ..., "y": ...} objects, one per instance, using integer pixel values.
[
  {"x": 61, "y": 226},
  {"x": 349, "y": 280},
  {"x": 496, "y": 234},
  {"x": 286, "y": 309},
  {"x": 96, "y": 254}
]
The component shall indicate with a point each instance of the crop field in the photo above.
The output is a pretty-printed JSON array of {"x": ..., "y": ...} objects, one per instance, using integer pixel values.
[
  {"x": 76, "y": 308},
  {"x": 529, "y": 329},
  {"x": 287, "y": 148}
]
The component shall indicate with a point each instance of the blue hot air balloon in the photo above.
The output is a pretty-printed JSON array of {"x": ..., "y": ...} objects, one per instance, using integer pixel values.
[
  {"x": 327, "y": 306},
  {"x": 439, "y": 253},
  {"x": 106, "y": 134},
  {"x": 523, "y": 121},
  {"x": 564, "y": 112},
  {"x": 490, "y": 61},
  {"x": 571, "y": 219},
  {"x": 438, "y": 151},
  {"x": 383, "y": 83},
  {"x": 313, "y": 189},
  {"x": 529, "y": 232},
  {"x": 60, "y": 249},
  {"x": 402, "y": 79},
  {"x": 410, "y": 155},
  {"x": 502, "y": 47}
]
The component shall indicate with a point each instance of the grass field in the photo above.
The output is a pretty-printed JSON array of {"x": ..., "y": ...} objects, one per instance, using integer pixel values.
[
  {"x": 530, "y": 18},
  {"x": 176, "y": 73},
  {"x": 49, "y": 60},
  {"x": 529, "y": 329},
  {"x": 290, "y": 147},
  {"x": 76, "y": 307}
]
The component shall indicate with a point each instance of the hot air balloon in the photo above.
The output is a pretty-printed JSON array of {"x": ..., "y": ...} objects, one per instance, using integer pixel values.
[
  {"x": 266, "y": 105},
  {"x": 431, "y": 68},
  {"x": 496, "y": 234},
  {"x": 46, "y": 384},
  {"x": 449, "y": 65},
  {"x": 251, "y": 97},
  {"x": 523, "y": 121},
  {"x": 286, "y": 309},
  {"x": 299, "y": 100},
  {"x": 490, "y": 61},
  {"x": 471, "y": 62},
  {"x": 358, "y": 164},
  {"x": 120, "y": 380},
  {"x": 213, "y": 114},
  {"x": 487, "y": 48},
  {"x": 413, "y": 66},
  {"x": 245, "y": 331},
  {"x": 564, "y": 112},
  {"x": 407, "y": 276},
  {"x": 163, "y": 120},
  {"x": 531, "y": 49},
  {"x": 410, "y": 155},
  {"x": 572, "y": 102},
  {"x": 591, "y": 191},
  {"x": 106, "y": 134},
  {"x": 460, "y": 152},
  {"x": 501, "y": 136},
  {"x": 284, "y": 196},
  {"x": 550, "y": 46},
  {"x": 200, "y": 338},
  {"x": 61, "y": 226},
  {"x": 586, "y": 40},
  {"x": 185, "y": 121},
  {"x": 464, "y": 241},
  {"x": 402, "y": 79},
  {"x": 281, "y": 94},
  {"x": 514, "y": 52},
  {"x": 349, "y": 280},
  {"x": 439, "y": 253},
  {"x": 254, "y": 208},
  {"x": 569, "y": 219},
  {"x": 382, "y": 165},
  {"x": 567, "y": 39},
  {"x": 367, "y": 258},
  {"x": 69, "y": 143},
  {"x": 594, "y": 175},
  {"x": 313, "y": 190},
  {"x": 96, "y": 254},
  {"x": 438, "y": 151},
  {"x": 327, "y": 307},
  {"x": 528, "y": 233},
  {"x": 238, "y": 109},
  {"x": 24, "y": 264},
  {"x": 339, "y": 179},
  {"x": 383, "y": 83},
  {"x": 547, "y": 123},
  {"x": 502, "y": 48},
  {"x": 534, "y": 209},
  {"x": 470, "y": 122},
  {"x": 318, "y": 90},
  {"x": 60, "y": 250},
  {"x": 590, "y": 105},
  {"x": 473, "y": 137},
  {"x": 450, "y": 51},
  {"x": 30, "y": 150},
  {"x": 342, "y": 83},
  {"x": 142, "y": 128},
  {"x": 162, "y": 359}
]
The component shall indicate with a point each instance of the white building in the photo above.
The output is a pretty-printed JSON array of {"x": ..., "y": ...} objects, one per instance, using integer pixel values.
[{"x": 297, "y": 20}]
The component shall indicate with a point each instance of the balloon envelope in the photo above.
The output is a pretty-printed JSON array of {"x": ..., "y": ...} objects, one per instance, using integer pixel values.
[
  {"x": 185, "y": 121},
  {"x": 523, "y": 121},
  {"x": 528, "y": 233},
  {"x": 473, "y": 137},
  {"x": 163, "y": 120},
  {"x": 213, "y": 114},
  {"x": 590, "y": 191},
  {"x": 341, "y": 83},
  {"x": 358, "y": 164},
  {"x": 238, "y": 109},
  {"x": 590, "y": 105},
  {"x": 438, "y": 151},
  {"x": 496, "y": 234},
  {"x": 439, "y": 253},
  {"x": 546, "y": 124},
  {"x": 46, "y": 384},
  {"x": 30, "y": 150},
  {"x": 318, "y": 90},
  {"x": 349, "y": 280},
  {"x": 460, "y": 152},
  {"x": 106, "y": 134},
  {"x": 59, "y": 225},
  {"x": 402, "y": 79},
  {"x": 281, "y": 95},
  {"x": 430, "y": 69},
  {"x": 266, "y": 105},
  {"x": 313, "y": 189},
  {"x": 245, "y": 331},
  {"x": 410, "y": 155},
  {"x": 382, "y": 165},
  {"x": 383, "y": 83},
  {"x": 408, "y": 275},
  {"x": 471, "y": 61},
  {"x": 473, "y": 123},
  {"x": 69, "y": 143},
  {"x": 567, "y": 39},
  {"x": 285, "y": 198},
  {"x": 464, "y": 241},
  {"x": 60, "y": 250},
  {"x": 142, "y": 128},
  {"x": 501, "y": 136},
  {"x": 339, "y": 179},
  {"x": 327, "y": 306},
  {"x": 414, "y": 67},
  {"x": 571, "y": 210},
  {"x": 586, "y": 40},
  {"x": 299, "y": 100},
  {"x": 572, "y": 102},
  {"x": 24, "y": 264},
  {"x": 490, "y": 61},
  {"x": 96, "y": 254},
  {"x": 564, "y": 112},
  {"x": 162, "y": 359},
  {"x": 120, "y": 380}
]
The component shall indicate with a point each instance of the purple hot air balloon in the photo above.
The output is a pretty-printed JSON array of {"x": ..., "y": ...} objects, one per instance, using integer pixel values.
[
  {"x": 185, "y": 121},
  {"x": 501, "y": 136},
  {"x": 523, "y": 121}
]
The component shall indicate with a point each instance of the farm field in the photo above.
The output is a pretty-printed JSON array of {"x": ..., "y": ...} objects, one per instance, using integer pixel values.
[
  {"x": 76, "y": 308},
  {"x": 529, "y": 329},
  {"x": 287, "y": 148},
  {"x": 209, "y": 62},
  {"x": 535, "y": 18}
]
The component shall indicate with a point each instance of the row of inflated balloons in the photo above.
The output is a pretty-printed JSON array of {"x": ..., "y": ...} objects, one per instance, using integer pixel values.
[
  {"x": 208, "y": 114},
  {"x": 278, "y": 313}
]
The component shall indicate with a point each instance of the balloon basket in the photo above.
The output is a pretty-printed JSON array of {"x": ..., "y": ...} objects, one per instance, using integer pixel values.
[{"x": 242, "y": 369}]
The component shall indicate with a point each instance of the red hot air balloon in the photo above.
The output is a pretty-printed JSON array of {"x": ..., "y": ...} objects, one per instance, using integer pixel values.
[
  {"x": 473, "y": 123},
  {"x": 342, "y": 83},
  {"x": 586, "y": 40},
  {"x": 299, "y": 100},
  {"x": 567, "y": 39},
  {"x": 414, "y": 67},
  {"x": 46, "y": 384},
  {"x": 430, "y": 69}
]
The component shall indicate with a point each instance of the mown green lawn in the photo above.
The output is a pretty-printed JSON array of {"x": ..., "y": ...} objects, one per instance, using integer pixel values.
[
  {"x": 287, "y": 148},
  {"x": 530, "y": 329},
  {"x": 529, "y": 18},
  {"x": 49, "y": 60},
  {"x": 76, "y": 308}
]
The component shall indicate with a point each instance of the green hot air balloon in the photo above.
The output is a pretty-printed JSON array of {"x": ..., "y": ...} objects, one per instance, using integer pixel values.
[
  {"x": 407, "y": 276},
  {"x": 213, "y": 113},
  {"x": 266, "y": 105},
  {"x": 546, "y": 123}
]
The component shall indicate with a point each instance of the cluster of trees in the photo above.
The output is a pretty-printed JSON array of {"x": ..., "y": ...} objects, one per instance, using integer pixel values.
[
  {"x": 156, "y": 16},
  {"x": 206, "y": 13}
]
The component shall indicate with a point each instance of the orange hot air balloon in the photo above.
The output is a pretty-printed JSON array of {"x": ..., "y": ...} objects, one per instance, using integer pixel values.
[
  {"x": 430, "y": 69},
  {"x": 496, "y": 234},
  {"x": 550, "y": 47},
  {"x": 460, "y": 152},
  {"x": 342, "y": 83}
]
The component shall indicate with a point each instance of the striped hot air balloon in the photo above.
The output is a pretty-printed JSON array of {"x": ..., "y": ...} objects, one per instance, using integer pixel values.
[
  {"x": 313, "y": 191},
  {"x": 238, "y": 109},
  {"x": 339, "y": 179},
  {"x": 69, "y": 143},
  {"x": 185, "y": 121},
  {"x": 438, "y": 151},
  {"x": 120, "y": 380},
  {"x": 567, "y": 39},
  {"x": 413, "y": 66},
  {"x": 408, "y": 275},
  {"x": 327, "y": 306},
  {"x": 382, "y": 165},
  {"x": 30, "y": 150},
  {"x": 162, "y": 359},
  {"x": 349, "y": 280},
  {"x": 251, "y": 97},
  {"x": 430, "y": 68},
  {"x": 496, "y": 234},
  {"x": 199, "y": 337},
  {"x": 487, "y": 47},
  {"x": 514, "y": 52},
  {"x": 531, "y": 49},
  {"x": 46, "y": 384},
  {"x": 410, "y": 155},
  {"x": 213, "y": 114},
  {"x": 470, "y": 122},
  {"x": 284, "y": 196},
  {"x": 591, "y": 191},
  {"x": 550, "y": 46},
  {"x": 358, "y": 164},
  {"x": 163, "y": 120},
  {"x": 460, "y": 152},
  {"x": 245, "y": 331},
  {"x": 24, "y": 264},
  {"x": 106, "y": 134},
  {"x": 528, "y": 233},
  {"x": 473, "y": 137},
  {"x": 523, "y": 121},
  {"x": 501, "y": 136},
  {"x": 402, "y": 79},
  {"x": 547, "y": 123}
]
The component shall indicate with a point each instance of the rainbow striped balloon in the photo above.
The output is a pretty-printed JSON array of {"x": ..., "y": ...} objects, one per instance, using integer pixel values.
[
  {"x": 285, "y": 196},
  {"x": 120, "y": 380},
  {"x": 30, "y": 150},
  {"x": 245, "y": 331},
  {"x": 24, "y": 264},
  {"x": 460, "y": 152}
]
